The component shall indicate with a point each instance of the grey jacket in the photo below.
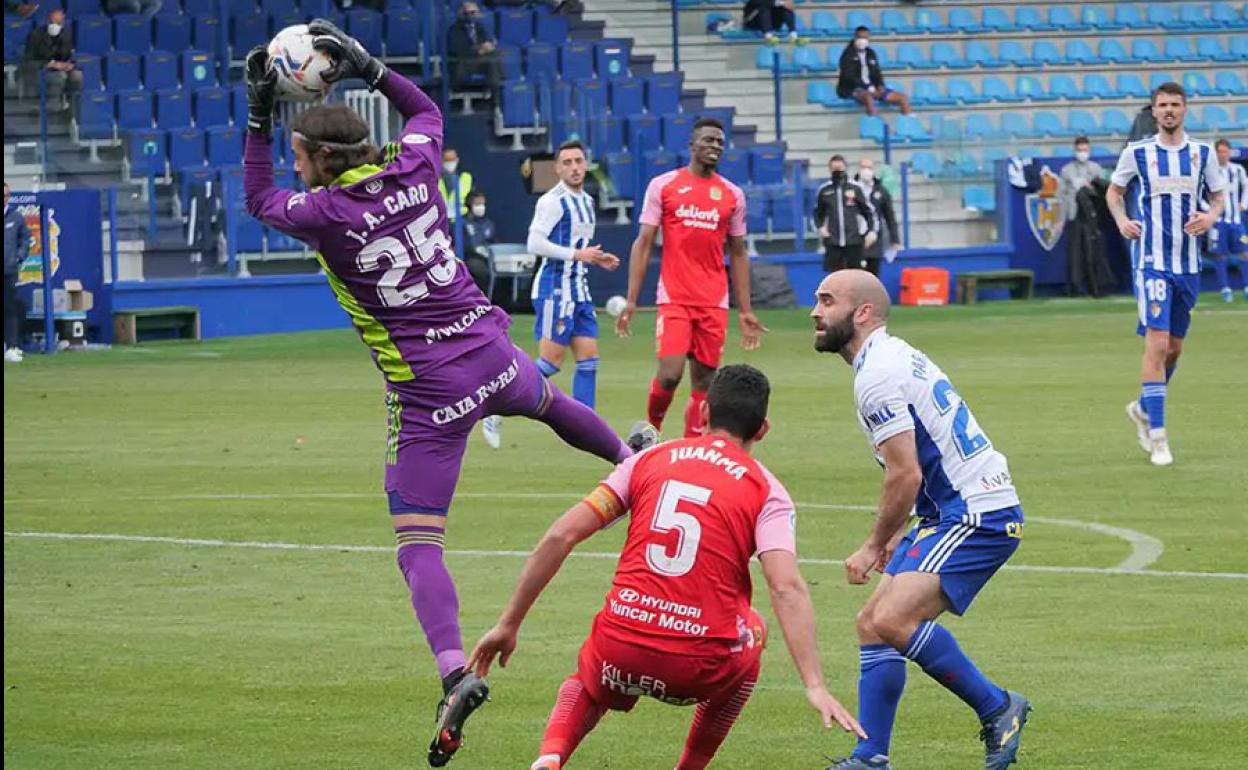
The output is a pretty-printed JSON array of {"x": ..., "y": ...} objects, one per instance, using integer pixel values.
[
  {"x": 17, "y": 240},
  {"x": 1073, "y": 178}
]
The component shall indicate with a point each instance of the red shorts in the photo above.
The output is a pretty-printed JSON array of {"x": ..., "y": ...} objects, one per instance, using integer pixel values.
[
  {"x": 617, "y": 673},
  {"x": 689, "y": 330}
]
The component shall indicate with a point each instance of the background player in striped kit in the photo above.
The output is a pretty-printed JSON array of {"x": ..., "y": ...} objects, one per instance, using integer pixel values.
[
  {"x": 1228, "y": 239},
  {"x": 1175, "y": 174},
  {"x": 560, "y": 233},
  {"x": 940, "y": 464}
]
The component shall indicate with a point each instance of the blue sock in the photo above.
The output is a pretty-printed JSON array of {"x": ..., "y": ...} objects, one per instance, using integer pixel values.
[
  {"x": 937, "y": 652},
  {"x": 1170, "y": 372},
  {"x": 585, "y": 381},
  {"x": 1153, "y": 402},
  {"x": 547, "y": 368},
  {"x": 881, "y": 680},
  {"x": 1219, "y": 269}
]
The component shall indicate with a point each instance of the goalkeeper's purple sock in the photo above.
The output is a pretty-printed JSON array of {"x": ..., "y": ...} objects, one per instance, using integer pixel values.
[{"x": 433, "y": 594}]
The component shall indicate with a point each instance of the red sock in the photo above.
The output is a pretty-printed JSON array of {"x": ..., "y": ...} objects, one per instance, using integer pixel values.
[
  {"x": 574, "y": 715},
  {"x": 693, "y": 414},
  {"x": 660, "y": 400},
  {"x": 711, "y": 722}
]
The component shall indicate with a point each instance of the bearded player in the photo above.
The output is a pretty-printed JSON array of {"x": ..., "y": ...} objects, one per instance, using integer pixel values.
[
  {"x": 697, "y": 210},
  {"x": 380, "y": 229},
  {"x": 677, "y": 625}
]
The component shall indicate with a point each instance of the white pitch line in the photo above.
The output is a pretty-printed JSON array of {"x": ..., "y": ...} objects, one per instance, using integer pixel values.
[
  {"x": 1145, "y": 549},
  {"x": 211, "y": 543}
]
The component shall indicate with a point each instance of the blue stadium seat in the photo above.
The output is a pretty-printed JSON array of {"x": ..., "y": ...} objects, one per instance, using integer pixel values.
[
  {"x": 1030, "y": 88},
  {"x": 212, "y": 107},
  {"x": 611, "y": 58},
  {"x": 663, "y": 92},
  {"x": 1097, "y": 86},
  {"x": 676, "y": 130},
  {"x": 757, "y": 210},
  {"x": 893, "y": 21},
  {"x": 1045, "y": 52},
  {"x": 160, "y": 70},
  {"x": 945, "y": 55},
  {"x": 980, "y": 54},
  {"x": 172, "y": 32},
  {"x": 1163, "y": 15},
  {"x": 995, "y": 18},
  {"x": 563, "y": 129},
  {"x": 1013, "y": 54},
  {"x": 979, "y": 199},
  {"x": 1180, "y": 49},
  {"x": 967, "y": 165},
  {"x": 1064, "y": 87},
  {"x": 1014, "y": 124},
  {"x": 576, "y": 60},
  {"x": 765, "y": 57},
  {"x": 997, "y": 90},
  {"x": 929, "y": 21},
  {"x": 1218, "y": 119},
  {"x": 121, "y": 71},
  {"x": 198, "y": 69},
  {"x": 283, "y": 7},
  {"x": 827, "y": 23},
  {"x": 1210, "y": 49},
  {"x": 1145, "y": 50},
  {"x": 400, "y": 24},
  {"x": 1079, "y": 52},
  {"x": 1129, "y": 15},
  {"x": 199, "y": 7},
  {"x": 93, "y": 34},
  {"x": 871, "y": 127},
  {"x": 248, "y": 31},
  {"x": 550, "y": 28},
  {"x": 75, "y": 8},
  {"x": 627, "y": 97},
  {"x": 643, "y": 132},
  {"x": 1196, "y": 17},
  {"x": 134, "y": 110},
  {"x": 1081, "y": 122},
  {"x": 590, "y": 97},
  {"x": 1230, "y": 83},
  {"x": 855, "y": 19},
  {"x": 979, "y": 126},
  {"x": 1026, "y": 17},
  {"x": 882, "y": 53},
  {"x": 911, "y": 129},
  {"x": 238, "y": 105},
  {"x": 508, "y": 62},
  {"x": 132, "y": 32},
  {"x": 928, "y": 92},
  {"x": 1197, "y": 84},
  {"x": 781, "y": 205},
  {"x": 95, "y": 115},
  {"x": 1098, "y": 18},
  {"x": 926, "y": 163},
  {"x": 734, "y": 165},
  {"x": 238, "y": 7},
  {"x": 248, "y": 233},
  {"x": 1194, "y": 122},
  {"x": 623, "y": 176},
  {"x": 225, "y": 145},
  {"x": 186, "y": 149},
  {"x": 92, "y": 70},
  {"x": 518, "y": 103},
  {"x": 913, "y": 56},
  {"x": 1045, "y": 123},
  {"x": 806, "y": 59},
  {"x": 963, "y": 20},
  {"x": 767, "y": 164},
  {"x": 606, "y": 133},
  {"x": 515, "y": 26},
  {"x": 1115, "y": 122},
  {"x": 1112, "y": 50},
  {"x": 146, "y": 150},
  {"x": 1225, "y": 15},
  {"x": 206, "y": 33},
  {"x": 1239, "y": 48},
  {"x": 554, "y": 100},
  {"x": 963, "y": 92},
  {"x": 365, "y": 25},
  {"x": 658, "y": 162},
  {"x": 541, "y": 61},
  {"x": 1131, "y": 85},
  {"x": 1063, "y": 17},
  {"x": 1157, "y": 78},
  {"x": 173, "y": 108}
]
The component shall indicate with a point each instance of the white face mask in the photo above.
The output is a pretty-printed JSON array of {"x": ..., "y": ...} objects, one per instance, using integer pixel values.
[
  {"x": 449, "y": 166},
  {"x": 478, "y": 210},
  {"x": 866, "y": 174},
  {"x": 1082, "y": 156},
  {"x": 861, "y": 43},
  {"x": 54, "y": 29}
]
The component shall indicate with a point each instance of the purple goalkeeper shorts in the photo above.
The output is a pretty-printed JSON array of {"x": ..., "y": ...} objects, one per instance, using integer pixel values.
[{"x": 428, "y": 420}]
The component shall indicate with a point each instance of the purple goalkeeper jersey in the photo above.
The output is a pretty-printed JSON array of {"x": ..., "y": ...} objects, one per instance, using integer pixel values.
[{"x": 381, "y": 236}]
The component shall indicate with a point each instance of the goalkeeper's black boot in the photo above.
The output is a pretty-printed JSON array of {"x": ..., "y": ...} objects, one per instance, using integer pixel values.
[{"x": 463, "y": 696}]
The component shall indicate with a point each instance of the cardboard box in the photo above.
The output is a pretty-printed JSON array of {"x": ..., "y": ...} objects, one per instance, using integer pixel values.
[{"x": 72, "y": 298}]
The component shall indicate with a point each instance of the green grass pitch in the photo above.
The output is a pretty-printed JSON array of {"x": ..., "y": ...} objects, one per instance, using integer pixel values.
[{"x": 124, "y": 654}]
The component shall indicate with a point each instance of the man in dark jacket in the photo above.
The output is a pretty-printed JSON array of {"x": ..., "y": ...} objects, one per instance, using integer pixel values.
[
  {"x": 839, "y": 205},
  {"x": 51, "y": 49},
  {"x": 862, "y": 79},
  {"x": 882, "y": 201},
  {"x": 768, "y": 16},
  {"x": 472, "y": 49},
  {"x": 1144, "y": 125},
  {"x": 17, "y": 243},
  {"x": 478, "y": 237}
]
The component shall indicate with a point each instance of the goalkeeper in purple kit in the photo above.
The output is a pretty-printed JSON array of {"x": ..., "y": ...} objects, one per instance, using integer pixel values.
[{"x": 379, "y": 227}]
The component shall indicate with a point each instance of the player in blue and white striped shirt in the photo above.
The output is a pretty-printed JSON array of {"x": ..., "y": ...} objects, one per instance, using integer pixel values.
[
  {"x": 1177, "y": 175},
  {"x": 1228, "y": 239},
  {"x": 560, "y": 233}
]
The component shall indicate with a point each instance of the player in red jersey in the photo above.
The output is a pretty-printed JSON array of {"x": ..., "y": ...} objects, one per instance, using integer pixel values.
[
  {"x": 697, "y": 210},
  {"x": 677, "y": 624}
]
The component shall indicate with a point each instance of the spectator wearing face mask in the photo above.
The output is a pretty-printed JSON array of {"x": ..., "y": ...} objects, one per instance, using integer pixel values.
[
  {"x": 846, "y": 219},
  {"x": 768, "y": 16},
  {"x": 473, "y": 51},
  {"x": 889, "y": 242},
  {"x": 451, "y": 179},
  {"x": 861, "y": 78},
  {"x": 478, "y": 237},
  {"x": 1076, "y": 175},
  {"x": 51, "y": 49}
]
